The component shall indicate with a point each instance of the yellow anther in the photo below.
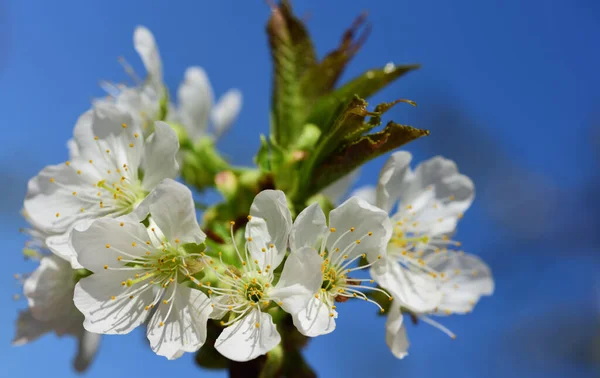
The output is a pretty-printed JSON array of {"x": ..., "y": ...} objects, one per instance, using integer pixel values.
[
  {"x": 351, "y": 229},
  {"x": 113, "y": 297},
  {"x": 249, "y": 217},
  {"x": 379, "y": 257},
  {"x": 133, "y": 244},
  {"x": 409, "y": 207},
  {"x": 332, "y": 229},
  {"x": 333, "y": 307},
  {"x": 249, "y": 239},
  {"x": 161, "y": 324},
  {"x": 96, "y": 138},
  {"x": 136, "y": 135},
  {"x": 119, "y": 258},
  {"x": 176, "y": 240},
  {"x": 108, "y": 151},
  {"x": 107, "y": 246},
  {"x": 263, "y": 249},
  {"x": 148, "y": 242},
  {"x": 358, "y": 241},
  {"x": 82, "y": 210},
  {"x": 271, "y": 245},
  {"x": 105, "y": 266},
  {"x": 67, "y": 163},
  {"x": 317, "y": 296},
  {"x": 232, "y": 223},
  {"x": 57, "y": 215},
  {"x": 124, "y": 125},
  {"x": 78, "y": 172},
  {"x": 147, "y": 308},
  {"x": 370, "y": 233},
  {"x": 123, "y": 283},
  {"x": 257, "y": 324},
  {"x": 51, "y": 179},
  {"x": 91, "y": 161}
]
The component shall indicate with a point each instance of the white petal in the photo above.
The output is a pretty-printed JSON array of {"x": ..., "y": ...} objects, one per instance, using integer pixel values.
[
  {"x": 357, "y": 215},
  {"x": 86, "y": 350},
  {"x": 183, "y": 320},
  {"x": 393, "y": 179},
  {"x": 49, "y": 289},
  {"x": 73, "y": 149},
  {"x": 50, "y": 202},
  {"x": 300, "y": 279},
  {"x": 195, "y": 102},
  {"x": 226, "y": 111},
  {"x": 29, "y": 328},
  {"x": 309, "y": 227},
  {"x": 367, "y": 193},
  {"x": 93, "y": 297},
  {"x": 117, "y": 129},
  {"x": 270, "y": 207},
  {"x": 336, "y": 191},
  {"x": 146, "y": 47},
  {"x": 101, "y": 244},
  {"x": 244, "y": 341},
  {"x": 414, "y": 290},
  {"x": 172, "y": 208},
  {"x": 442, "y": 175},
  {"x": 61, "y": 245},
  {"x": 160, "y": 156},
  {"x": 395, "y": 333},
  {"x": 315, "y": 319},
  {"x": 468, "y": 279}
]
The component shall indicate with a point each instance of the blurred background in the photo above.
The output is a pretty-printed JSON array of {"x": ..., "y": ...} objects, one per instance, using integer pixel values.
[{"x": 509, "y": 90}]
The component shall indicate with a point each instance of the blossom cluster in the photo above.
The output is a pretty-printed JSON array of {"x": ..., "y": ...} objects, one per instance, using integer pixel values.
[{"x": 119, "y": 245}]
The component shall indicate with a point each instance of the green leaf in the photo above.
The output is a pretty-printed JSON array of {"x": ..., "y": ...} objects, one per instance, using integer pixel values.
[
  {"x": 325, "y": 109},
  {"x": 292, "y": 53},
  {"x": 358, "y": 152},
  {"x": 321, "y": 78}
]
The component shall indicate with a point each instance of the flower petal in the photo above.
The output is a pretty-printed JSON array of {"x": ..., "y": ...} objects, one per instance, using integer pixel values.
[
  {"x": 146, "y": 47},
  {"x": 367, "y": 193},
  {"x": 413, "y": 290},
  {"x": 171, "y": 206},
  {"x": 29, "y": 328},
  {"x": 100, "y": 246},
  {"x": 248, "y": 338},
  {"x": 315, "y": 319},
  {"x": 468, "y": 279},
  {"x": 93, "y": 297},
  {"x": 180, "y": 325},
  {"x": 86, "y": 350},
  {"x": 393, "y": 179},
  {"x": 49, "y": 289},
  {"x": 160, "y": 156},
  {"x": 353, "y": 221},
  {"x": 226, "y": 111},
  {"x": 51, "y": 204},
  {"x": 300, "y": 279},
  {"x": 308, "y": 228},
  {"x": 61, "y": 245},
  {"x": 395, "y": 333},
  {"x": 195, "y": 96},
  {"x": 336, "y": 191},
  {"x": 270, "y": 207}
]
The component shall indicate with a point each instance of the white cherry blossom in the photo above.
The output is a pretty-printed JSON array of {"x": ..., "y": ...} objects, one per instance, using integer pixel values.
[
  {"x": 356, "y": 230},
  {"x": 147, "y": 101},
  {"x": 49, "y": 293},
  {"x": 138, "y": 268},
  {"x": 246, "y": 294},
  {"x": 422, "y": 271},
  {"x": 113, "y": 171}
]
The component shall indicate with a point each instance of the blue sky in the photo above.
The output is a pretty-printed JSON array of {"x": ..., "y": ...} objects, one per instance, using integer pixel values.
[{"x": 524, "y": 76}]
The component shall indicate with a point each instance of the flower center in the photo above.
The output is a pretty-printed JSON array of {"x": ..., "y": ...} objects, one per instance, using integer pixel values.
[{"x": 254, "y": 292}]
